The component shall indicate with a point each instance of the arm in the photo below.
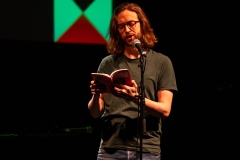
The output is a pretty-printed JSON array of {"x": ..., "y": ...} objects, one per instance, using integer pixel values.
[
  {"x": 166, "y": 79},
  {"x": 96, "y": 105},
  {"x": 162, "y": 108}
]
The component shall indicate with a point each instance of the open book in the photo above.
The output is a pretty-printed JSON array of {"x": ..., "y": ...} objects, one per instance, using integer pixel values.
[{"x": 118, "y": 76}]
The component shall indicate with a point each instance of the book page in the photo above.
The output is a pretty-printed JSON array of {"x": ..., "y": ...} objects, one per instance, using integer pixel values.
[
  {"x": 121, "y": 76},
  {"x": 104, "y": 79}
]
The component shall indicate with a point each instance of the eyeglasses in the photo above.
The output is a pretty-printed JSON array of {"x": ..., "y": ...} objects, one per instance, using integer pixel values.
[{"x": 130, "y": 24}]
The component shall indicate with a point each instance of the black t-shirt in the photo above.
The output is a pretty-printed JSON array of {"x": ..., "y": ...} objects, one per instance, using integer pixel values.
[{"x": 120, "y": 121}]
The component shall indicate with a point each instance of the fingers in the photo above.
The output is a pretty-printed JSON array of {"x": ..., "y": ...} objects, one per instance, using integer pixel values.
[
  {"x": 126, "y": 91},
  {"x": 97, "y": 87},
  {"x": 134, "y": 84},
  {"x": 119, "y": 89}
]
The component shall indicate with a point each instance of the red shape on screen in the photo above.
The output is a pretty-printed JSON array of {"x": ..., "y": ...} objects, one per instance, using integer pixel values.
[{"x": 82, "y": 31}]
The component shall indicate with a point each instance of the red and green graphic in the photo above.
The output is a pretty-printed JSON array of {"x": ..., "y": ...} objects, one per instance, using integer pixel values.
[{"x": 82, "y": 21}]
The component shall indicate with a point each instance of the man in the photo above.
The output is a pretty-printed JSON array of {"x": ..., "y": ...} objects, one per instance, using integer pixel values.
[{"x": 119, "y": 111}]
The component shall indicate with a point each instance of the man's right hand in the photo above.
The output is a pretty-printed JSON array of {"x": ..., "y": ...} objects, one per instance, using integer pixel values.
[{"x": 97, "y": 87}]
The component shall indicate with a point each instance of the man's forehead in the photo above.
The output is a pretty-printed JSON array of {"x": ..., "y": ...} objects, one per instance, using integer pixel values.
[{"x": 127, "y": 15}]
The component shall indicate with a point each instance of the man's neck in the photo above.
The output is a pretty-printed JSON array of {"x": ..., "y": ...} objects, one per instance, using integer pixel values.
[{"x": 131, "y": 52}]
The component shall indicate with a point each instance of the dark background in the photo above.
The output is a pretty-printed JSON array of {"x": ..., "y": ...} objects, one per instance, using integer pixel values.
[{"x": 45, "y": 85}]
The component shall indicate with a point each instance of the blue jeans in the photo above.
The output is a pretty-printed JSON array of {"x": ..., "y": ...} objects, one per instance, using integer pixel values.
[{"x": 114, "y": 154}]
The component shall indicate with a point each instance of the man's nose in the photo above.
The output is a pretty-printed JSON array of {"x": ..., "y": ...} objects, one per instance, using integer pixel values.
[{"x": 127, "y": 29}]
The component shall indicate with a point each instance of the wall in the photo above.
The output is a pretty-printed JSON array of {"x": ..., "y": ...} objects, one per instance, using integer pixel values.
[{"x": 45, "y": 86}]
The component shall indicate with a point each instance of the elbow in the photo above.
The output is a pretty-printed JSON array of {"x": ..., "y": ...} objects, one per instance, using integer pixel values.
[
  {"x": 166, "y": 112},
  {"x": 162, "y": 115},
  {"x": 165, "y": 115},
  {"x": 95, "y": 116},
  {"x": 95, "y": 113}
]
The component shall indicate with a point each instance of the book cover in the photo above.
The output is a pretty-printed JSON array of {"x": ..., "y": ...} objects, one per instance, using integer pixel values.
[{"x": 118, "y": 76}]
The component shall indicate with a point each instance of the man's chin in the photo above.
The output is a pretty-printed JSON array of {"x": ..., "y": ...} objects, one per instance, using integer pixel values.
[{"x": 129, "y": 44}]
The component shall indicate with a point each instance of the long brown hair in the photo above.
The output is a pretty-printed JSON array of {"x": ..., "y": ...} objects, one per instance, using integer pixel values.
[{"x": 115, "y": 44}]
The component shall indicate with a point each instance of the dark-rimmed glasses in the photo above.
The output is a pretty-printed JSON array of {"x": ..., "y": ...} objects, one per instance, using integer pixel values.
[{"x": 130, "y": 24}]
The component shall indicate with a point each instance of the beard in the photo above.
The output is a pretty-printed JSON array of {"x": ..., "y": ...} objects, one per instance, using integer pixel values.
[{"x": 128, "y": 42}]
